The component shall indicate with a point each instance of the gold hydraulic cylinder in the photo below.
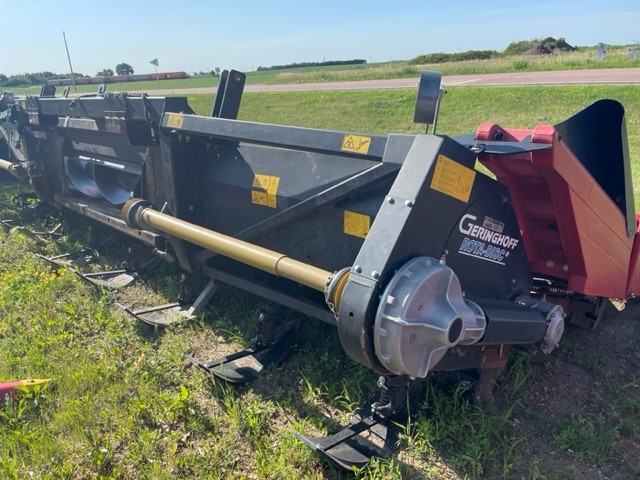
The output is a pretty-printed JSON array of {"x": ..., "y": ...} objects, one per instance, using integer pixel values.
[{"x": 139, "y": 214}]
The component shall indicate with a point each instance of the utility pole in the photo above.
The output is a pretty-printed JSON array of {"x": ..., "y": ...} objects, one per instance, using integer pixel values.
[{"x": 73, "y": 78}]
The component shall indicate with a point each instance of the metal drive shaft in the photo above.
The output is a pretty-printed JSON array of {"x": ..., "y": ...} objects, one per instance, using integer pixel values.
[
  {"x": 140, "y": 214},
  {"x": 14, "y": 169},
  {"x": 6, "y": 165}
]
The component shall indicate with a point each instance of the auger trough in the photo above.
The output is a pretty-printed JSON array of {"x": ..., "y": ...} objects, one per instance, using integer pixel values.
[{"x": 421, "y": 261}]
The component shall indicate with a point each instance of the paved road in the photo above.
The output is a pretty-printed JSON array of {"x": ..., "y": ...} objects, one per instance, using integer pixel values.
[
  {"x": 563, "y": 77},
  {"x": 613, "y": 75}
]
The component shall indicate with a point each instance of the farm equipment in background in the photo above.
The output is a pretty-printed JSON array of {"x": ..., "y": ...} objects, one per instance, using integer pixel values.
[{"x": 421, "y": 261}]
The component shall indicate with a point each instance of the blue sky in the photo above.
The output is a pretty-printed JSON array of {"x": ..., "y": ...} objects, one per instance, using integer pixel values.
[{"x": 195, "y": 35}]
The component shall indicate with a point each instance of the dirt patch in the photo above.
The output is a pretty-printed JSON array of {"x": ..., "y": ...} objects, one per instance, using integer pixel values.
[{"x": 579, "y": 408}]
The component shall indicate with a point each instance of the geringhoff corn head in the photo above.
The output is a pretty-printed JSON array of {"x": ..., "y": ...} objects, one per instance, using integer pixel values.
[{"x": 421, "y": 261}]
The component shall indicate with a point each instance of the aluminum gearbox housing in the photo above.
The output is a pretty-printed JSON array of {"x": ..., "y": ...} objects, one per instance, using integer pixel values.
[{"x": 423, "y": 313}]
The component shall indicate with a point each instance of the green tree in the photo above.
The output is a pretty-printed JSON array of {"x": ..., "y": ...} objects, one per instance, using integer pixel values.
[
  {"x": 107, "y": 72},
  {"x": 124, "y": 69}
]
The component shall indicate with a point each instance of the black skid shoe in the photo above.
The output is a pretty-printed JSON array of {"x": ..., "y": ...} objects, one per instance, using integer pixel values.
[
  {"x": 268, "y": 349},
  {"x": 374, "y": 430}
]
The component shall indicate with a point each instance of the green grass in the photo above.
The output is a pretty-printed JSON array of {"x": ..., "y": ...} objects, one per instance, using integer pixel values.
[
  {"x": 588, "y": 439},
  {"x": 124, "y": 404},
  {"x": 583, "y": 59},
  {"x": 578, "y": 60}
]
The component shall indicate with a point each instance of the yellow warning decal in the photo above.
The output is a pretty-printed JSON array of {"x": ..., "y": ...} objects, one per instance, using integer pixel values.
[
  {"x": 356, "y": 224},
  {"x": 356, "y": 144},
  {"x": 453, "y": 179},
  {"x": 174, "y": 120},
  {"x": 266, "y": 194}
]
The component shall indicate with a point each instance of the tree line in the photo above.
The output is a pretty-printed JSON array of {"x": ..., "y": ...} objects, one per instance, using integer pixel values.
[
  {"x": 40, "y": 78},
  {"x": 121, "y": 69},
  {"x": 523, "y": 47},
  {"x": 329, "y": 63}
]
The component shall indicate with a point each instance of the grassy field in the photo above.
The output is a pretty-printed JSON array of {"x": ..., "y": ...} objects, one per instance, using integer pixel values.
[
  {"x": 581, "y": 59},
  {"x": 125, "y": 405}
]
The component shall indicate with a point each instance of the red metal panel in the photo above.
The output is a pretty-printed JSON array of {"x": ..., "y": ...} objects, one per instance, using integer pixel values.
[
  {"x": 571, "y": 229},
  {"x": 633, "y": 283}
]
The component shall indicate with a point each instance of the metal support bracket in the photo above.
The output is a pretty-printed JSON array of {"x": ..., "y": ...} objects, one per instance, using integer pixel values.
[
  {"x": 268, "y": 349},
  {"x": 430, "y": 93},
  {"x": 170, "y": 313},
  {"x": 37, "y": 236},
  {"x": 110, "y": 279},
  {"x": 229, "y": 94}
]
